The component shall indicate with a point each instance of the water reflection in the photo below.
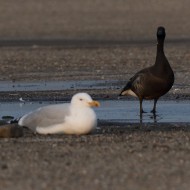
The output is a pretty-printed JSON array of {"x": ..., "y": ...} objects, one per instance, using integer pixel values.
[
  {"x": 114, "y": 111},
  {"x": 150, "y": 117}
]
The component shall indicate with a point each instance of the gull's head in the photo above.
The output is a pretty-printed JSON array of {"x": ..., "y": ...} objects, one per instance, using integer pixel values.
[{"x": 84, "y": 100}]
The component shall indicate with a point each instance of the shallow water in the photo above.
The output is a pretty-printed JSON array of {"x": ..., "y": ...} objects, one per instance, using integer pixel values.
[
  {"x": 115, "y": 111},
  {"x": 7, "y": 86}
]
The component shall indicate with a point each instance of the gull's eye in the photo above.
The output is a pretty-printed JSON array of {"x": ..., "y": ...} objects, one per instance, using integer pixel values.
[{"x": 81, "y": 99}]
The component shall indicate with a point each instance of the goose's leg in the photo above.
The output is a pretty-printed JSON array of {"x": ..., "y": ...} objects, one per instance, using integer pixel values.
[
  {"x": 141, "y": 110},
  {"x": 154, "y": 107},
  {"x": 140, "y": 106}
]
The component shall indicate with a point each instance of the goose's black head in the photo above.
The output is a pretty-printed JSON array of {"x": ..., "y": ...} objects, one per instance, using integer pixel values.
[{"x": 161, "y": 34}]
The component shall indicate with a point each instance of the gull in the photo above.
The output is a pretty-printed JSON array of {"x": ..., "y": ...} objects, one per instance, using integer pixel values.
[{"x": 76, "y": 117}]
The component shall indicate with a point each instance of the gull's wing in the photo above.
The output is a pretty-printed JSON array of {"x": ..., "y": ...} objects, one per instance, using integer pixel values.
[{"x": 45, "y": 116}]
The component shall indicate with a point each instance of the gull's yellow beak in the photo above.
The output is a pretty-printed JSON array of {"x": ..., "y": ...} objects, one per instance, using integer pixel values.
[{"x": 94, "y": 104}]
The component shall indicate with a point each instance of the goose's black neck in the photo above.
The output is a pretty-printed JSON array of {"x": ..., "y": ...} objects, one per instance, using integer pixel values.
[{"x": 160, "y": 47}]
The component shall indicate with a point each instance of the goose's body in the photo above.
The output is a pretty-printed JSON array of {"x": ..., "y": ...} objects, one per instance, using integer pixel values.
[
  {"x": 155, "y": 81},
  {"x": 76, "y": 117}
]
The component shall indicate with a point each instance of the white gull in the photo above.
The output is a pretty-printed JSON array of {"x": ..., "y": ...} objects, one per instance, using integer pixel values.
[{"x": 76, "y": 117}]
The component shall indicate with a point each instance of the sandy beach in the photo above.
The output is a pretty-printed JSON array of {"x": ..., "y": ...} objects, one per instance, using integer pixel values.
[{"x": 94, "y": 40}]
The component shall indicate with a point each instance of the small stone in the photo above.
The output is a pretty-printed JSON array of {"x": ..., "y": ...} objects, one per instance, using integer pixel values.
[
  {"x": 7, "y": 117},
  {"x": 10, "y": 131},
  {"x": 4, "y": 166}
]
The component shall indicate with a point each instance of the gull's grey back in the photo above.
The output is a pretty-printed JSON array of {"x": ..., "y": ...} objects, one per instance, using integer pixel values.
[{"x": 45, "y": 116}]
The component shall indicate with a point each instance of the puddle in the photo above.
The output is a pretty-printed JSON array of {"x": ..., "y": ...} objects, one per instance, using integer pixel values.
[
  {"x": 7, "y": 86},
  {"x": 115, "y": 111},
  {"x": 128, "y": 111}
]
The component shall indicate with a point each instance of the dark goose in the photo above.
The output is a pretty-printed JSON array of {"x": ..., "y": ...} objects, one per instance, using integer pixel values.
[{"x": 152, "y": 82}]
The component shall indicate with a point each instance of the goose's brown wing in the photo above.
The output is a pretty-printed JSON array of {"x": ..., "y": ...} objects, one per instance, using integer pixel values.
[{"x": 149, "y": 86}]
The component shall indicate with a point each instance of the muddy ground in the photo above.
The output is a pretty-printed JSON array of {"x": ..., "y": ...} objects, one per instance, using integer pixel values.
[
  {"x": 119, "y": 156},
  {"x": 115, "y": 63}
]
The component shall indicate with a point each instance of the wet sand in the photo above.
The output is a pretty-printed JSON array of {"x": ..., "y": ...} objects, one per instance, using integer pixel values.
[
  {"x": 119, "y": 156},
  {"x": 60, "y": 63},
  {"x": 154, "y": 156}
]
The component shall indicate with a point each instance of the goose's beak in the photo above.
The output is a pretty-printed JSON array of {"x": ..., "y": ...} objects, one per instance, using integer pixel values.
[{"x": 94, "y": 104}]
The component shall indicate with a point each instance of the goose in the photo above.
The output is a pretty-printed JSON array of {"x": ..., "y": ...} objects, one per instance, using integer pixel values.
[{"x": 153, "y": 82}]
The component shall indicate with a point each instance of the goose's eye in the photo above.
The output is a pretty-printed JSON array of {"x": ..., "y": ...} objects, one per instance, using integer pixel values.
[{"x": 81, "y": 99}]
